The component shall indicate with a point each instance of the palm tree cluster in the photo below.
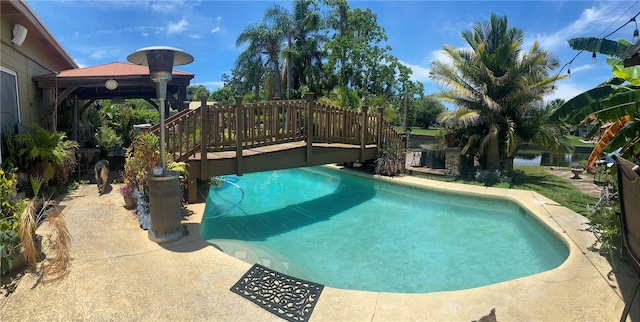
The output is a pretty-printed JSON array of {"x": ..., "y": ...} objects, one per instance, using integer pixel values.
[
  {"x": 498, "y": 89},
  {"x": 337, "y": 53}
]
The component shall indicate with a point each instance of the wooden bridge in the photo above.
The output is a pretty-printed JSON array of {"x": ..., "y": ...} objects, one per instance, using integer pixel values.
[{"x": 245, "y": 138}]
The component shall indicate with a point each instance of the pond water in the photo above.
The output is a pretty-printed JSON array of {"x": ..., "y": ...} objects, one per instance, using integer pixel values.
[{"x": 543, "y": 158}]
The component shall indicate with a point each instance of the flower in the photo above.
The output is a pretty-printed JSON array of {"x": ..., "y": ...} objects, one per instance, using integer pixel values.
[{"x": 129, "y": 185}]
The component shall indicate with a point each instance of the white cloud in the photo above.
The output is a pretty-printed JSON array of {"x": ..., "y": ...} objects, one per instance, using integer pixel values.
[
  {"x": 178, "y": 27},
  {"x": 98, "y": 54},
  {"x": 566, "y": 90},
  {"x": 80, "y": 64},
  {"x": 212, "y": 86},
  {"x": 581, "y": 68},
  {"x": 440, "y": 55},
  {"x": 419, "y": 74},
  {"x": 217, "y": 27},
  {"x": 591, "y": 20},
  {"x": 167, "y": 6}
]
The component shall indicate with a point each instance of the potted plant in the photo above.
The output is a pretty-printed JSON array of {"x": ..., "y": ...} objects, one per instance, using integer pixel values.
[
  {"x": 391, "y": 161},
  {"x": 141, "y": 156},
  {"x": 127, "y": 189}
]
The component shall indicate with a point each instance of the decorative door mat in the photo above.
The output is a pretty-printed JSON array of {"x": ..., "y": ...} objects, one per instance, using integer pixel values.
[{"x": 288, "y": 297}]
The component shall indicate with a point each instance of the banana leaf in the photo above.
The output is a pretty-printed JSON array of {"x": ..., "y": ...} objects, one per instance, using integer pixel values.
[
  {"x": 578, "y": 108},
  {"x": 600, "y": 45},
  {"x": 613, "y": 81},
  {"x": 627, "y": 139},
  {"x": 619, "y": 105},
  {"x": 629, "y": 74}
]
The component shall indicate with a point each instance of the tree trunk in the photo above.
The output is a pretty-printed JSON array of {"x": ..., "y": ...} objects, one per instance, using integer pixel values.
[
  {"x": 508, "y": 163},
  {"x": 276, "y": 68},
  {"x": 493, "y": 155},
  {"x": 289, "y": 74}
]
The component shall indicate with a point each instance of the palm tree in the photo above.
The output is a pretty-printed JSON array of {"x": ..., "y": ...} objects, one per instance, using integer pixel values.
[
  {"x": 249, "y": 64},
  {"x": 494, "y": 86},
  {"x": 265, "y": 41},
  {"x": 302, "y": 55},
  {"x": 281, "y": 19},
  {"x": 537, "y": 131}
]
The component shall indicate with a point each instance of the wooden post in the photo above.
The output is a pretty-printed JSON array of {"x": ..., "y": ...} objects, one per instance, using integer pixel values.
[
  {"x": 363, "y": 132},
  {"x": 406, "y": 108},
  {"x": 309, "y": 124},
  {"x": 75, "y": 119},
  {"x": 204, "y": 149},
  {"x": 379, "y": 136},
  {"x": 204, "y": 136},
  {"x": 239, "y": 135}
]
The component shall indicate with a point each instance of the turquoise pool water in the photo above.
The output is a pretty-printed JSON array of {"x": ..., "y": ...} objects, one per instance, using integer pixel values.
[{"x": 349, "y": 232}]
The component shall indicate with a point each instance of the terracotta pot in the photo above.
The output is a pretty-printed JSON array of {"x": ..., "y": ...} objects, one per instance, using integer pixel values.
[{"x": 130, "y": 203}]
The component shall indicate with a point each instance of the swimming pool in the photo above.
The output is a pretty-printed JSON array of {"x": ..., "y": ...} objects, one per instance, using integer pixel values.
[{"x": 344, "y": 231}]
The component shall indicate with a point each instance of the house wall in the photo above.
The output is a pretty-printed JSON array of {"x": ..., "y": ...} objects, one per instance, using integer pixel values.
[
  {"x": 39, "y": 54},
  {"x": 25, "y": 63}
]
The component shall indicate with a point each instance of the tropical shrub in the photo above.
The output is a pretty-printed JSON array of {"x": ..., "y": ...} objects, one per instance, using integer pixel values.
[
  {"x": 107, "y": 140},
  {"x": 488, "y": 177},
  {"x": 46, "y": 154},
  {"x": 183, "y": 169},
  {"x": 129, "y": 180},
  {"x": 604, "y": 223},
  {"x": 391, "y": 160},
  {"x": 10, "y": 208},
  {"x": 141, "y": 157}
]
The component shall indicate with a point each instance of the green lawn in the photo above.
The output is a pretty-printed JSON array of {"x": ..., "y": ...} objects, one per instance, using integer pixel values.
[
  {"x": 576, "y": 141},
  {"x": 539, "y": 180},
  {"x": 419, "y": 131}
]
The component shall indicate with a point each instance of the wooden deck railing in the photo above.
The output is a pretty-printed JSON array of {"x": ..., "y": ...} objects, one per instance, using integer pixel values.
[{"x": 244, "y": 126}]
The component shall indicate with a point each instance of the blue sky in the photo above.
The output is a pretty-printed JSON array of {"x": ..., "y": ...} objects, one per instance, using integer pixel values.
[{"x": 99, "y": 32}]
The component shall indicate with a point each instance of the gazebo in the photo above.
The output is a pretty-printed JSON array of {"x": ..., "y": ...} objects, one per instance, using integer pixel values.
[{"x": 112, "y": 81}]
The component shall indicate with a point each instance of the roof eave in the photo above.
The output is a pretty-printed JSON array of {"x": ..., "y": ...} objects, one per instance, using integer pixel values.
[{"x": 24, "y": 7}]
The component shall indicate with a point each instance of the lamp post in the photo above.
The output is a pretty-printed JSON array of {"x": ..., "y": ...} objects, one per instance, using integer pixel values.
[
  {"x": 164, "y": 188},
  {"x": 160, "y": 60}
]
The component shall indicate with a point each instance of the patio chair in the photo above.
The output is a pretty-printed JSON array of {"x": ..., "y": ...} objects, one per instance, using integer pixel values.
[{"x": 629, "y": 191}]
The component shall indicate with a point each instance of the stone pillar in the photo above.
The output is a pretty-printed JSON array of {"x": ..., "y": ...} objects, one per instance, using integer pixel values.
[{"x": 452, "y": 161}]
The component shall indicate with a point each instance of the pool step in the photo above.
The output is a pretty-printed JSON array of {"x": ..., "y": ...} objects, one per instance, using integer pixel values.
[{"x": 252, "y": 253}]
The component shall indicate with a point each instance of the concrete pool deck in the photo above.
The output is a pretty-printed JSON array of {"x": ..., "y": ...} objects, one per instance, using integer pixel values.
[{"x": 119, "y": 274}]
